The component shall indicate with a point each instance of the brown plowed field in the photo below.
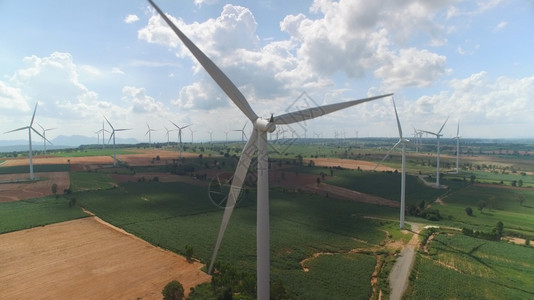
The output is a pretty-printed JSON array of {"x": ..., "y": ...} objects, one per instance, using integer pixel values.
[
  {"x": 55, "y": 160},
  {"x": 145, "y": 158},
  {"x": 20, "y": 189},
  {"x": 85, "y": 259}
]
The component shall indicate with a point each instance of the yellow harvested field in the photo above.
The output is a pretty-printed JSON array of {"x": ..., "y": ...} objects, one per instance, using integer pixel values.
[{"x": 88, "y": 259}]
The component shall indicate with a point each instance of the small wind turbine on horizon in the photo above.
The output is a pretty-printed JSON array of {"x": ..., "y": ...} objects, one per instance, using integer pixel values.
[
  {"x": 438, "y": 135},
  {"x": 211, "y": 136},
  {"x": 242, "y": 130},
  {"x": 192, "y": 134},
  {"x": 180, "y": 135},
  {"x": 257, "y": 141},
  {"x": 103, "y": 130},
  {"x": 30, "y": 128},
  {"x": 113, "y": 130},
  {"x": 457, "y": 137},
  {"x": 149, "y": 132},
  {"x": 167, "y": 131},
  {"x": 44, "y": 136}
]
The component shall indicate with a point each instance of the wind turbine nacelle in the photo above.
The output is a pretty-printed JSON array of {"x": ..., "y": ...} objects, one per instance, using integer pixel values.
[{"x": 265, "y": 125}]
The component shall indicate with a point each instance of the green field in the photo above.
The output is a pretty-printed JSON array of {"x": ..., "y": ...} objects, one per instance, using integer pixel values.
[
  {"x": 36, "y": 168},
  {"x": 462, "y": 267},
  {"x": 83, "y": 181},
  {"x": 36, "y": 212}
]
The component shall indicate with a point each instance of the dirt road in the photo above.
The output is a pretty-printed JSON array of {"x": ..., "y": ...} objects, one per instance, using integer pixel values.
[{"x": 400, "y": 273}]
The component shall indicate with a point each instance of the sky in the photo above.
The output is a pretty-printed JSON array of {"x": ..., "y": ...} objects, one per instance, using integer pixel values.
[{"x": 468, "y": 61}]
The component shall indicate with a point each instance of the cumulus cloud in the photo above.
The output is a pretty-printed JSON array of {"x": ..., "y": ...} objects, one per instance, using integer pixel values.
[
  {"x": 12, "y": 98},
  {"x": 140, "y": 102},
  {"x": 116, "y": 70},
  {"x": 131, "y": 19},
  {"x": 209, "y": 2}
]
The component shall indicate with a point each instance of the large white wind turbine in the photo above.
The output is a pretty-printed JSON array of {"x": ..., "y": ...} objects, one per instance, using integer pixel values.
[
  {"x": 242, "y": 130},
  {"x": 44, "y": 136},
  {"x": 149, "y": 132},
  {"x": 258, "y": 139},
  {"x": 458, "y": 148},
  {"x": 180, "y": 135},
  {"x": 30, "y": 128},
  {"x": 113, "y": 130},
  {"x": 438, "y": 135},
  {"x": 404, "y": 142}
]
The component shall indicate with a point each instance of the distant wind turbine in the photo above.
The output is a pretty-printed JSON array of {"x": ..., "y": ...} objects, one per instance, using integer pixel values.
[
  {"x": 103, "y": 130},
  {"x": 167, "y": 131},
  {"x": 438, "y": 135},
  {"x": 458, "y": 148},
  {"x": 242, "y": 130},
  {"x": 44, "y": 136},
  {"x": 30, "y": 128},
  {"x": 113, "y": 130},
  {"x": 192, "y": 134},
  {"x": 180, "y": 135},
  {"x": 258, "y": 139},
  {"x": 149, "y": 132},
  {"x": 211, "y": 136}
]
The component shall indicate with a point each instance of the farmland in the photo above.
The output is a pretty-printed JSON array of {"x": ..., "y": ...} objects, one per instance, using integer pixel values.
[{"x": 321, "y": 247}]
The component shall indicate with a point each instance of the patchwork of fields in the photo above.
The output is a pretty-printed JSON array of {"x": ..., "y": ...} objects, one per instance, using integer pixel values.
[{"x": 321, "y": 247}]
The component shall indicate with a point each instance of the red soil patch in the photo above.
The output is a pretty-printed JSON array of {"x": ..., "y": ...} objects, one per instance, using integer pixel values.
[
  {"x": 84, "y": 259},
  {"x": 148, "y": 156},
  {"x": 55, "y": 160},
  {"x": 20, "y": 190}
]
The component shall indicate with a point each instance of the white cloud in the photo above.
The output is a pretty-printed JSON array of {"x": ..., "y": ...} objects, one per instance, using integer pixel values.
[
  {"x": 131, "y": 19},
  {"x": 12, "y": 98},
  {"x": 209, "y": 2},
  {"x": 501, "y": 26},
  {"x": 116, "y": 70},
  {"x": 140, "y": 102}
]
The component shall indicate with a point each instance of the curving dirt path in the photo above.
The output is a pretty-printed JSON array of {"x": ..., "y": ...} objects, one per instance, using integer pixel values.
[{"x": 400, "y": 273}]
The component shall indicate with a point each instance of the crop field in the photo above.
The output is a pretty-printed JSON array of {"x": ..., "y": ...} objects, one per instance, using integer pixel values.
[
  {"x": 461, "y": 267},
  {"x": 84, "y": 181},
  {"x": 108, "y": 151},
  {"x": 172, "y": 215},
  {"x": 36, "y": 168}
]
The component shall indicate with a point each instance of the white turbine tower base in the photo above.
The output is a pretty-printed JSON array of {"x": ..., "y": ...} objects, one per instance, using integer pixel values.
[
  {"x": 113, "y": 130},
  {"x": 257, "y": 140}
]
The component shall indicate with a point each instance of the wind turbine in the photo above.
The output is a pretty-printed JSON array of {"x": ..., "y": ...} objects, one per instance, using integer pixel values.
[
  {"x": 30, "y": 128},
  {"x": 243, "y": 135},
  {"x": 180, "y": 135},
  {"x": 438, "y": 135},
  {"x": 402, "y": 141},
  {"x": 211, "y": 136},
  {"x": 113, "y": 130},
  {"x": 44, "y": 136},
  {"x": 458, "y": 148},
  {"x": 192, "y": 134},
  {"x": 259, "y": 137},
  {"x": 167, "y": 131},
  {"x": 103, "y": 130},
  {"x": 149, "y": 132}
]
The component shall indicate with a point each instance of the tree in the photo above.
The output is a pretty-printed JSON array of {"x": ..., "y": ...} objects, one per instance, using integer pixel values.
[
  {"x": 469, "y": 211},
  {"x": 473, "y": 177},
  {"x": 481, "y": 204},
  {"x": 520, "y": 183},
  {"x": 188, "y": 252},
  {"x": 54, "y": 189},
  {"x": 173, "y": 291},
  {"x": 499, "y": 229},
  {"x": 318, "y": 180}
]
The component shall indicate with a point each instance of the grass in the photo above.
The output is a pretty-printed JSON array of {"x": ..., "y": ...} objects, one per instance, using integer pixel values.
[
  {"x": 36, "y": 212},
  {"x": 84, "y": 181},
  {"x": 462, "y": 267}
]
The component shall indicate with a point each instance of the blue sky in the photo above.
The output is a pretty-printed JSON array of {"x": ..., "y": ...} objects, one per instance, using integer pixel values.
[{"x": 81, "y": 61}]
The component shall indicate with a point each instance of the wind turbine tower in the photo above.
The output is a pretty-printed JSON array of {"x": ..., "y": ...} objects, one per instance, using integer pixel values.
[
  {"x": 180, "y": 135},
  {"x": 438, "y": 135},
  {"x": 44, "y": 136},
  {"x": 458, "y": 148},
  {"x": 113, "y": 130},
  {"x": 149, "y": 132},
  {"x": 30, "y": 128},
  {"x": 257, "y": 140}
]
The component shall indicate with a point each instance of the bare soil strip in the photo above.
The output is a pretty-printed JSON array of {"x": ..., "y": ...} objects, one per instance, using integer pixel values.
[
  {"x": 20, "y": 190},
  {"x": 84, "y": 259}
]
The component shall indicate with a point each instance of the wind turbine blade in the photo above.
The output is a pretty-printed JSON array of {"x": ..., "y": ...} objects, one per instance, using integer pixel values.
[
  {"x": 443, "y": 125},
  {"x": 237, "y": 183},
  {"x": 429, "y": 132},
  {"x": 387, "y": 154},
  {"x": 111, "y": 136},
  {"x": 109, "y": 124},
  {"x": 220, "y": 78},
  {"x": 38, "y": 133},
  {"x": 18, "y": 129},
  {"x": 398, "y": 122},
  {"x": 311, "y": 113},
  {"x": 123, "y": 129},
  {"x": 41, "y": 127},
  {"x": 33, "y": 116},
  {"x": 186, "y": 126},
  {"x": 174, "y": 124}
]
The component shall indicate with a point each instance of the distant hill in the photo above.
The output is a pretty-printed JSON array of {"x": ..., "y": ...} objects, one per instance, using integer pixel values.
[{"x": 60, "y": 142}]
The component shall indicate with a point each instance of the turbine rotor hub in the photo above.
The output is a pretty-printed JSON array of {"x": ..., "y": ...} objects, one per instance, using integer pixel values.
[{"x": 264, "y": 125}]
